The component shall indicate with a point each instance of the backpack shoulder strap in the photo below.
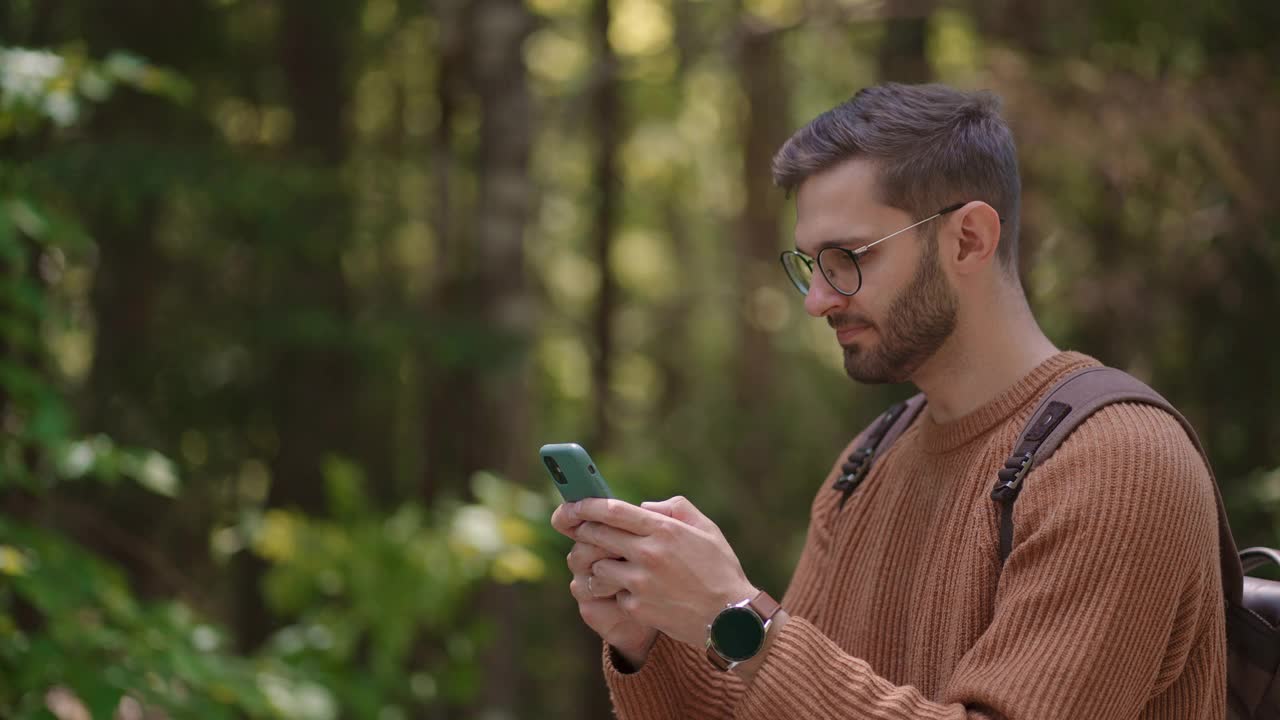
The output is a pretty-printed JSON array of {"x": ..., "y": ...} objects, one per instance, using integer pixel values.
[
  {"x": 1066, "y": 406},
  {"x": 880, "y": 437}
]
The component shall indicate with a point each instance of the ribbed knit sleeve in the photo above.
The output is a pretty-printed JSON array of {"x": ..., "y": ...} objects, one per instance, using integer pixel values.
[
  {"x": 1113, "y": 580},
  {"x": 677, "y": 681}
]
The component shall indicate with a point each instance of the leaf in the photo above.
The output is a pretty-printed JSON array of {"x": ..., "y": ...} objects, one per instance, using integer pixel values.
[
  {"x": 344, "y": 481},
  {"x": 12, "y": 561},
  {"x": 26, "y": 217},
  {"x": 158, "y": 474},
  {"x": 9, "y": 248}
]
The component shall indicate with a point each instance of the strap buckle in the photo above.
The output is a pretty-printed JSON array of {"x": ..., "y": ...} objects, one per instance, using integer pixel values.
[
  {"x": 855, "y": 469},
  {"x": 1011, "y": 475}
]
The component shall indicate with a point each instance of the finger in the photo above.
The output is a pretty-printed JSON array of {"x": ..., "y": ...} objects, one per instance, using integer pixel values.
[
  {"x": 616, "y": 542},
  {"x": 662, "y": 507},
  {"x": 587, "y": 588},
  {"x": 601, "y": 588},
  {"x": 681, "y": 509},
  {"x": 581, "y": 555},
  {"x": 581, "y": 589},
  {"x": 616, "y": 575},
  {"x": 601, "y": 615},
  {"x": 627, "y": 603},
  {"x": 565, "y": 519},
  {"x": 619, "y": 514},
  {"x": 578, "y": 588}
]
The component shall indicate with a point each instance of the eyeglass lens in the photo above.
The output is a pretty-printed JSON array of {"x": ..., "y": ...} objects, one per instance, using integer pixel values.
[
  {"x": 841, "y": 270},
  {"x": 839, "y": 267},
  {"x": 799, "y": 270}
]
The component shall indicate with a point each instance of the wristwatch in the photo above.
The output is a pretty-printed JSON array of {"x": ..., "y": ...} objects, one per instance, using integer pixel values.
[{"x": 737, "y": 633}]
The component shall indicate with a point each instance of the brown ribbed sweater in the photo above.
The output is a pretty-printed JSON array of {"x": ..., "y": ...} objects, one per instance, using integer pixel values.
[{"x": 1109, "y": 606}]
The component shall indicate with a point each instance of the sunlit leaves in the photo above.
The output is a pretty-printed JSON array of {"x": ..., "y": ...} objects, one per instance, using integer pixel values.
[
  {"x": 640, "y": 27},
  {"x": 13, "y": 561},
  {"x": 98, "y": 646},
  {"x": 776, "y": 13},
  {"x": 643, "y": 264},
  {"x": 41, "y": 86},
  {"x": 555, "y": 57},
  {"x": 954, "y": 45},
  {"x": 389, "y": 579},
  {"x": 101, "y": 458}
]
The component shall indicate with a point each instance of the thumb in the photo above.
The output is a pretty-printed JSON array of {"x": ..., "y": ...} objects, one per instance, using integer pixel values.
[{"x": 679, "y": 508}]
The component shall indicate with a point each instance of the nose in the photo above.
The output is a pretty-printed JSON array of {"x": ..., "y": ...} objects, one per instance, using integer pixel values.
[{"x": 822, "y": 299}]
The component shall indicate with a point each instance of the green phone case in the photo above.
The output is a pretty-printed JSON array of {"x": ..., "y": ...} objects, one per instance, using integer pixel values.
[{"x": 573, "y": 472}]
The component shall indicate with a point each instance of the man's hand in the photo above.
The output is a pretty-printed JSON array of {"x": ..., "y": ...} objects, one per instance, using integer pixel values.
[
  {"x": 599, "y": 609},
  {"x": 675, "y": 569},
  {"x": 596, "y": 602}
]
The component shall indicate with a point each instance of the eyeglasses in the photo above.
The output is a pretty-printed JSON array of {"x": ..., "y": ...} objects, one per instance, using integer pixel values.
[{"x": 839, "y": 265}]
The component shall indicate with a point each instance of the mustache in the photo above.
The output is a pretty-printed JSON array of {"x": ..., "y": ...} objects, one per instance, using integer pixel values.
[{"x": 839, "y": 322}]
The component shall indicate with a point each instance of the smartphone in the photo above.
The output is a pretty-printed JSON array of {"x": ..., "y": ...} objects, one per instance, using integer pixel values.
[{"x": 574, "y": 473}]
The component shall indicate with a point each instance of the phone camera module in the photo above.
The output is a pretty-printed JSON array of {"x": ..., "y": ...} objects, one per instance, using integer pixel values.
[{"x": 556, "y": 472}]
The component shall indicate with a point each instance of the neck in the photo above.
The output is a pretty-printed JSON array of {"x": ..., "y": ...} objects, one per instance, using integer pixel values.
[{"x": 995, "y": 344}]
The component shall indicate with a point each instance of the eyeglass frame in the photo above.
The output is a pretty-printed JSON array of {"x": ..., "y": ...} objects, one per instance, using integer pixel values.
[{"x": 854, "y": 253}]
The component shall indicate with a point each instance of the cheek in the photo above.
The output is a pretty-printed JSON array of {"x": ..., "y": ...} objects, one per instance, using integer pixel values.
[
  {"x": 873, "y": 301},
  {"x": 882, "y": 283}
]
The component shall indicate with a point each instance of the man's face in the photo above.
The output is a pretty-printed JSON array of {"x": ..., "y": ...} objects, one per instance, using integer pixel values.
[{"x": 906, "y": 308}]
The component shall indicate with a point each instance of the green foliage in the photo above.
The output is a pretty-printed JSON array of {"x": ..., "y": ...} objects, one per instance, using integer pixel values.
[
  {"x": 385, "y": 588},
  {"x": 391, "y": 591},
  {"x": 69, "y": 620},
  {"x": 41, "y": 87},
  {"x": 40, "y": 422},
  {"x": 368, "y": 588}
]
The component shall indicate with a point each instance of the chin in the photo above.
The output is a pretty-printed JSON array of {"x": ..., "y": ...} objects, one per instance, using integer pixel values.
[
  {"x": 859, "y": 370},
  {"x": 862, "y": 366}
]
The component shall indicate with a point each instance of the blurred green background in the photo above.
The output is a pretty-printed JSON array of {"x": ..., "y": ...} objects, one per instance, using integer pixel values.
[{"x": 291, "y": 292}]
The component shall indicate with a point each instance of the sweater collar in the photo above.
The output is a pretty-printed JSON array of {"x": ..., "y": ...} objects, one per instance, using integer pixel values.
[{"x": 944, "y": 437}]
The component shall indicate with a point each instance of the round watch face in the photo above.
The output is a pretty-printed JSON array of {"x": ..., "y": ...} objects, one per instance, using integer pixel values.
[{"x": 737, "y": 633}]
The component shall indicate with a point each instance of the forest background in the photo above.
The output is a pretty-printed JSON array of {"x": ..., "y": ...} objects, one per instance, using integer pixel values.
[{"x": 291, "y": 291}]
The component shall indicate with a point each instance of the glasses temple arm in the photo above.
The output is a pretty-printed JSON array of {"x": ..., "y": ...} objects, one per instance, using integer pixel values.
[{"x": 870, "y": 245}]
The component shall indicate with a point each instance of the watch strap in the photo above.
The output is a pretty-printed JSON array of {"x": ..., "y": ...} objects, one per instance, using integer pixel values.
[
  {"x": 765, "y": 606},
  {"x": 720, "y": 662}
]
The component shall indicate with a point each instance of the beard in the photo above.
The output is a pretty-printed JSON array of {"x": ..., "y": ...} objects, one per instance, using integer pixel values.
[{"x": 919, "y": 321}]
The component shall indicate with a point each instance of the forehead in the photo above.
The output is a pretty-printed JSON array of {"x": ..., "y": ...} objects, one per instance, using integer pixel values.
[
  {"x": 850, "y": 182},
  {"x": 842, "y": 202}
]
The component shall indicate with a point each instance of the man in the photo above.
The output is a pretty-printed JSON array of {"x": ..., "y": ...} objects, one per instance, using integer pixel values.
[{"x": 1110, "y": 603}]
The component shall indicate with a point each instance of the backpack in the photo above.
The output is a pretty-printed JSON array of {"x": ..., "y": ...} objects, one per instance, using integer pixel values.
[{"x": 1252, "y": 604}]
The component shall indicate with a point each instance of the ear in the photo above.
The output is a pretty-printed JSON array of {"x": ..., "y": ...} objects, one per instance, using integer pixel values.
[{"x": 977, "y": 237}]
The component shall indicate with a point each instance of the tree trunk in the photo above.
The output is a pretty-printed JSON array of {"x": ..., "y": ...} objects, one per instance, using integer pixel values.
[
  {"x": 606, "y": 121},
  {"x": 315, "y": 395},
  {"x": 442, "y": 464},
  {"x": 902, "y": 55},
  {"x": 502, "y": 302},
  {"x": 764, "y": 129},
  {"x": 607, "y": 126},
  {"x": 504, "y": 203}
]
